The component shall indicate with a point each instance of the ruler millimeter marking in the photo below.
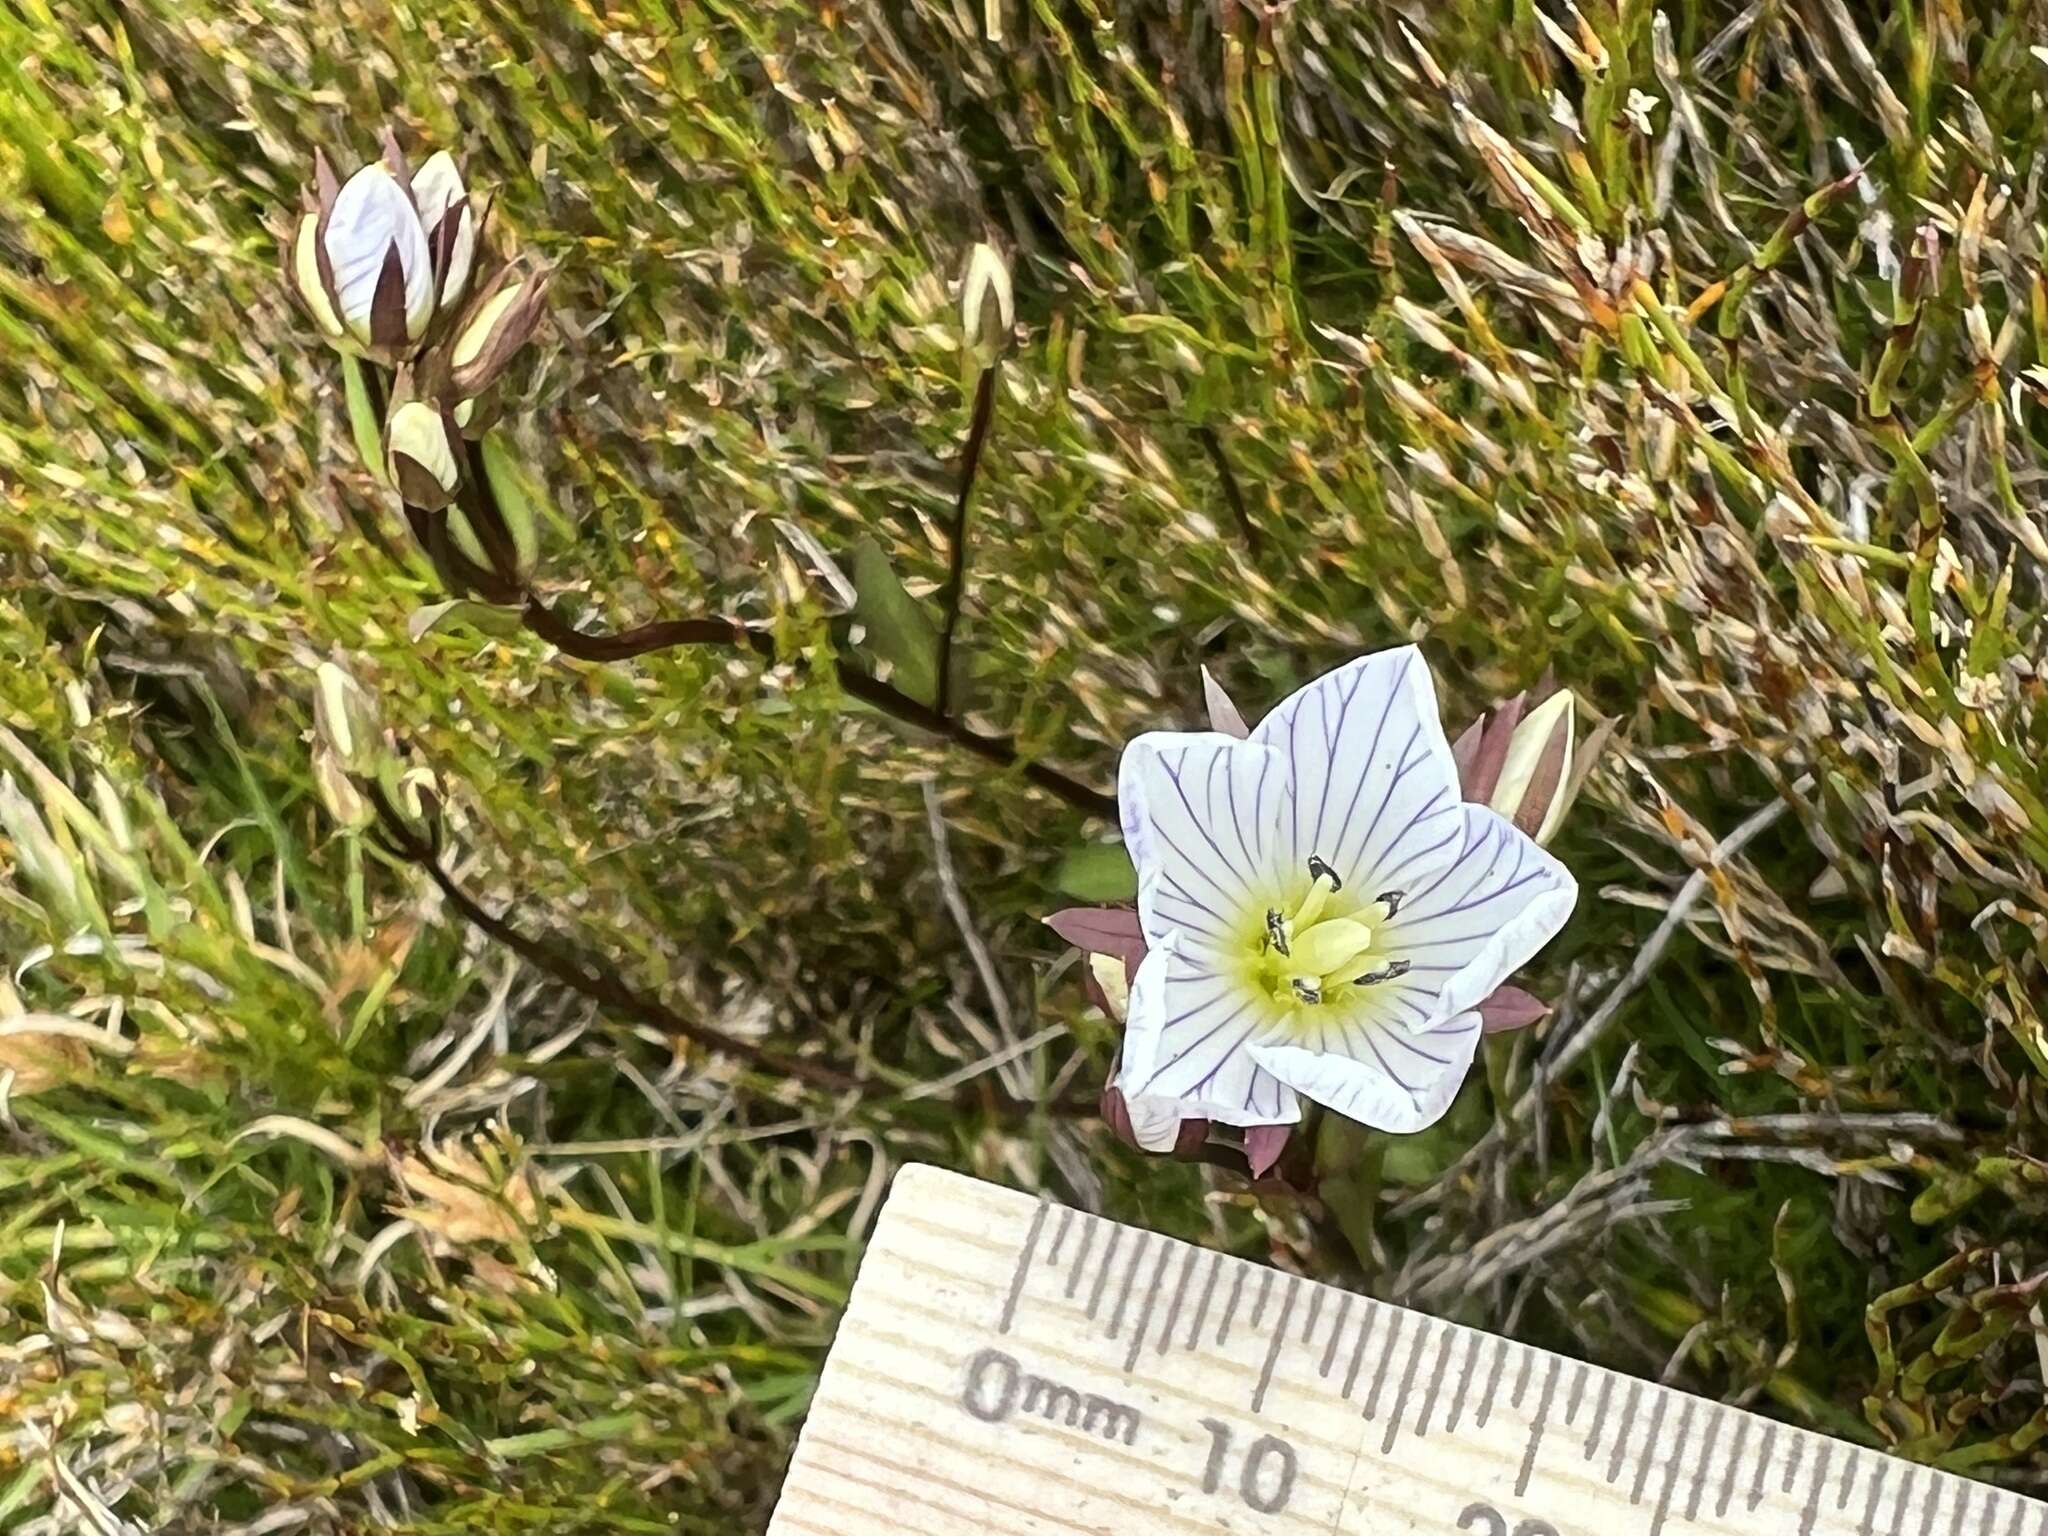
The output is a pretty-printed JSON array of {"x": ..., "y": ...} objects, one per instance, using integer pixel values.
[{"x": 1010, "y": 1367}]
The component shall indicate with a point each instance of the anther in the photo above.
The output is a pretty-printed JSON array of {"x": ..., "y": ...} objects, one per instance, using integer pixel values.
[
  {"x": 1307, "y": 990},
  {"x": 1318, "y": 870},
  {"x": 1392, "y": 900},
  {"x": 1276, "y": 930},
  {"x": 1393, "y": 970}
]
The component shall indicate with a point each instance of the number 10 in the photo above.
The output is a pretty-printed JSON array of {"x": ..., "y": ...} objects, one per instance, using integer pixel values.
[{"x": 1258, "y": 1482}]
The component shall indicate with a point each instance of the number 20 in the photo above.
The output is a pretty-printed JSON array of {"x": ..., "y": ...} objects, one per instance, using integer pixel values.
[
  {"x": 1496, "y": 1523},
  {"x": 1266, "y": 1492}
]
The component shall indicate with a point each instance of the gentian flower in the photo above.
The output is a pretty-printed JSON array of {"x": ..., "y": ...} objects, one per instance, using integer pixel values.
[{"x": 1322, "y": 913}]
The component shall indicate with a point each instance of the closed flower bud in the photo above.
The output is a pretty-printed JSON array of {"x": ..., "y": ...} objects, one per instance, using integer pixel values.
[
  {"x": 345, "y": 718},
  {"x": 424, "y": 457},
  {"x": 1534, "y": 788},
  {"x": 386, "y": 257},
  {"x": 338, "y": 792},
  {"x": 450, "y": 224},
  {"x": 310, "y": 283},
  {"x": 494, "y": 328},
  {"x": 1522, "y": 766},
  {"x": 380, "y": 271},
  {"x": 1109, "y": 986},
  {"x": 987, "y": 308},
  {"x": 477, "y": 414}
]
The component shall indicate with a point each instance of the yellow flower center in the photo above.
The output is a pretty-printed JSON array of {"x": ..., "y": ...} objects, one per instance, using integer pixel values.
[{"x": 1313, "y": 955}]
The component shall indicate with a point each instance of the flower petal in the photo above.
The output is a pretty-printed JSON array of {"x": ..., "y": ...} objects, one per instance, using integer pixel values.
[
  {"x": 1200, "y": 816},
  {"x": 1188, "y": 1042},
  {"x": 371, "y": 217},
  {"x": 1475, "y": 922},
  {"x": 437, "y": 187},
  {"x": 1372, "y": 1070},
  {"x": 1375, "y": 785}
]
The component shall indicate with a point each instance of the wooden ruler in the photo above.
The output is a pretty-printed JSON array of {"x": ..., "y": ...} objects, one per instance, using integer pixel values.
[{"x": 1010, "y": 1367}]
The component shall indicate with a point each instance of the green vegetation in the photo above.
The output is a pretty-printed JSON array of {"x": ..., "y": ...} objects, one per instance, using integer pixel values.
[{"x": 1695, "y": 355}]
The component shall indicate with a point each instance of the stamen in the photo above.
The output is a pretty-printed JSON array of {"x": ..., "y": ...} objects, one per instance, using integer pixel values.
[
  {"x": 1392, "y": 900},
  {"x": 1393, "y": 970},
  {"x": 1319, "y": 870},
  {"x": 1276, "y": 930},
  {"x": 1307, "y": 989}
]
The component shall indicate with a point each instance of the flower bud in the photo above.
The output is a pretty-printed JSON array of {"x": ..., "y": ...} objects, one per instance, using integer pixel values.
[
  {"x": 379, "y": 270},
  {"x": 450, "y": 224},
  {"x": 424, "y": 460},
  {"x": 987, "y": 308},
  {"x": 477, "y": 414},
  {"x": 306, "y": 272},
  {"x": 338, "y": 792},
  {"x": 1109, "y": 986},
  {"x": 495, "y": 327},
  {"x": 1534, "y": 789},
  {"x": 345, "y": 718},
  {"x": 1522, "y": 767}
]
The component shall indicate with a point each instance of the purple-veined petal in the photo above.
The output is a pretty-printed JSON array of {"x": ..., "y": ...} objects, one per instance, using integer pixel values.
[
  {"x": 1188, "y": 1042},
  {"x": 1473, "y": 923},
  {"x": 1200, "y": 812},
  {"x": 1152, "y": 1125},
  {"x": 1375, "y": 785},
  {"x": 1369, "y": 1069}
]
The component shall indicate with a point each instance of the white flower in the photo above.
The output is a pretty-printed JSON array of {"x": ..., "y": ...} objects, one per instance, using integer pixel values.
[{"x": 1323, "y": 911}]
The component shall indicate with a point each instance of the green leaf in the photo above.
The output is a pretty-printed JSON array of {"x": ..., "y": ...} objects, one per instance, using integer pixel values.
[
  {"x": 509, "y": 487},
  {"x": 898, "y": 629},
  {"x": 492, "y": 621},
  {"x": 1097, "y": 872},
  {"x": 362, "y": 419}
]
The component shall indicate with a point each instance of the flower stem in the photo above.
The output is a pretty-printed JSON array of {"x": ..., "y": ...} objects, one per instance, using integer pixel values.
[
  {"x": 666, "y": 634},
  {"x": 956, "y": 576}
]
